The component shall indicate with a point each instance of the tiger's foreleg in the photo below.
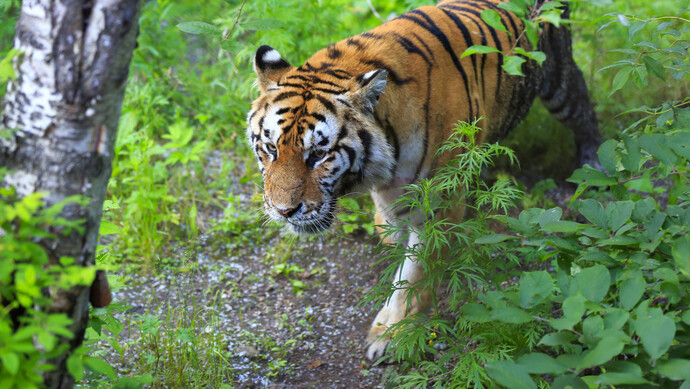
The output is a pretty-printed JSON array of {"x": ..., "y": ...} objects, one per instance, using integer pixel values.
[{"x": 401, "y": 304}]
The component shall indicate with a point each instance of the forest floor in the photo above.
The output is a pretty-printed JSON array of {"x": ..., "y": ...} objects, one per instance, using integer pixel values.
[
  {"x": 282, "y": 313},
  {"x": 278, "y": 336}
]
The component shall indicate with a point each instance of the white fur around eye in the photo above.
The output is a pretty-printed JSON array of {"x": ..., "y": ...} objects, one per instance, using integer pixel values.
[{"x": 271, "y": 123}]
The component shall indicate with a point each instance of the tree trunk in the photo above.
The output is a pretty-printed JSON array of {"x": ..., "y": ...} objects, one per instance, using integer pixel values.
[{"x": 64, "y": 107}]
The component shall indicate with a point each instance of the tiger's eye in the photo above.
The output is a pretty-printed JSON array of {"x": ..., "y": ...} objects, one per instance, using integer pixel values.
[
  {"x": 271, "y": 147},
  {"x": 319, "y": 153}
]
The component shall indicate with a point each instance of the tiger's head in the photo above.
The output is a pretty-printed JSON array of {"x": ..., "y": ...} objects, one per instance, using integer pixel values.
[{"x": 315, "y": 137}]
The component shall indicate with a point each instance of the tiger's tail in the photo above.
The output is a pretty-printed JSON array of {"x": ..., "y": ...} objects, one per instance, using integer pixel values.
[{"x": 564, "y": 92}]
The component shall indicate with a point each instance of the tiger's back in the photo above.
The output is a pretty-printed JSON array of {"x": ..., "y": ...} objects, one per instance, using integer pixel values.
[{"x": 370, "y": 111}]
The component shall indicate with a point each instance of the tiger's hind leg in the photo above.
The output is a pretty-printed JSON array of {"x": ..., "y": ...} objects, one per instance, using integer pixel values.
[{"x": 564, "y": 92}]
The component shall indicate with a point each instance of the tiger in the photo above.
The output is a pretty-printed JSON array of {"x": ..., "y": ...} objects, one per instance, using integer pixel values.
[{"x": 369, "y": 112}]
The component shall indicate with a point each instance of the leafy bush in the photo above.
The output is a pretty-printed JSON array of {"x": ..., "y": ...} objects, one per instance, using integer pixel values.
[
  {"x": 29, "y": 334},
  {"x": 599, "y": 299}
]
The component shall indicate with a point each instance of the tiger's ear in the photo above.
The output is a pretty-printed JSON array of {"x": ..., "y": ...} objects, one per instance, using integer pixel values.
[
  {"x": 269, "y": 66},
  {"x": 369, "y": 87}
]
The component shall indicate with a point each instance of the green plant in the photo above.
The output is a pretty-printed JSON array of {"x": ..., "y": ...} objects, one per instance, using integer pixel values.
[
  {"x": 29, "y": 334},
  {"x": 599, "y": 300}
]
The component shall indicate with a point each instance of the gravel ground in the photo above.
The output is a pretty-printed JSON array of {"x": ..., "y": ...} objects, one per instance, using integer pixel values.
[
  {"x": 320, "y": 331},
  {"x": 230, "y": 285}
]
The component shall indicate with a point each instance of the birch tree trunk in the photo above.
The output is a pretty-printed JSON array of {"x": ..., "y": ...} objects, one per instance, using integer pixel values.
[{"x": 64, "y": 108}]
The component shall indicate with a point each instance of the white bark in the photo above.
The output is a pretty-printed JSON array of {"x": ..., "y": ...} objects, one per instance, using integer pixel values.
[{"x": 64, "y": 107}]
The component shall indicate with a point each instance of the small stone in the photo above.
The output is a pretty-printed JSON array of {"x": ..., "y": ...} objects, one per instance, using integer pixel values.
[{"x": 245, "y": 350}]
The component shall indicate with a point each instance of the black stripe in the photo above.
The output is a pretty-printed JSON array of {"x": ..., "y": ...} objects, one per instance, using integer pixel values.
[
  {"x": 468, "y": 40},
  {"x": 355, "y": 42},
  {"x": 317, "y": 116},
  {"x": 365, "y": 138},
  {"x": 372, "y": 35},
  {"x": 497, "y": 43},
  {"x": 478, "y": 26},
  {"x": 333, "y": 53},
  {"x": 391, "y": 136},
  {"x": 344, "y": 102},
  {"x": 329, "y": 106},
  {"x": 428, "y": 49},
  {"x": 282, "y": 111},
  {"x": 410, "y": 47},
  {"x": 331, "y": 91},
  {"x": 299, "y": 77},
  {"x": 350, "y": 153},
  {"x": 339, "y": 74},
  {"x": 427, "y": 119},
  {"x": 285, "y": 95},
  {"x": 431, "y": 27},
  {"x": 341, "y": 134}
]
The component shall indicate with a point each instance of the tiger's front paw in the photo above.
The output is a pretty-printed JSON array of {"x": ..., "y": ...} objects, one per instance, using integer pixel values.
[{"x": 377, "y": 341}]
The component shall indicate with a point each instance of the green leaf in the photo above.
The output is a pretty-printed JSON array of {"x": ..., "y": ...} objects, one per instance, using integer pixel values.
[
  {"x": 608, "y": 156},
  {"x": 614, "y": 378},
  {"x": 510, "y": 315},
  {"x": 635, "y": 27},
  {"x": 654, "y": 67},
  {"x": 656, "y": 334},
  {"x": 479, "y": 49},
  {"x": 199, "y": 28},
  {"x": 493, "y": 19},
  {"x": 617, "y": 213},
  {"x": 48, "y": 340},
  {"x": 680, "y": 141},
  {"x": 495, "y": 238},
  {"x": 615, "y": 318},
  {"x": 675, "y": 369},
  {"x": 550, "y": 216},
  {"x": 553, "y": 17},
  {"x": 75, "y": 367},
  {"x": 538, "y": 56},
  {"x": 557, "y": 338},
  {"x": 593, "y": 282},
  {"x": 10, "y": 361},
  {"x": 631, "y": 158},
  {"x": 535, "y": 287},
  {"x": 561, "y": 226},
  {"x": 681, "y": 254},
  {"x": 99, "y": 366},
  {"x": 231, "y": 45},
  {"x": 263, "y": 25},
  {"x": 475, "y": 312},
  {"x": 606, "y": 349},
  {"x": 512, "y": 65},
  {"x": 510, "y": 375},
  {"x": 518, "y": 9},
  {"x": 108, "y": 228},
  {"x": 590, "y": 176},
  {"x": 569, "y": 381},
  {"x": 620, "y": 79},
  {"x": 631, "y": 291},
  {"x": 593, "y": 211},
  {"x": 573, "y": 309},
  {"x": 656, "y": 145},
  {"x": 538, "y": 363}
]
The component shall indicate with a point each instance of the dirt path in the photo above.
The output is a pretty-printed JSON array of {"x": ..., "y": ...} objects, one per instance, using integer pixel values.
[{"x": 274, "y": 334}]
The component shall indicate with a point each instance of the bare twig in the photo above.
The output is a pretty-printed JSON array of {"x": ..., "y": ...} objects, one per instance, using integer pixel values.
[{"x": 373, "y": 10}]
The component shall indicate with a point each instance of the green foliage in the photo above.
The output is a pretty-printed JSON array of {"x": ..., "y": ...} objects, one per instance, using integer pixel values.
[
  {"x": 29, "y": 280},
  {"x": 595, "y": 300},
  {"x": 533, "y": 16}
]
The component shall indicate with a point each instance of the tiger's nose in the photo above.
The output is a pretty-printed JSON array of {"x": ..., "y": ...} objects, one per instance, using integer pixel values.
[{"x": 287, "y": 212}]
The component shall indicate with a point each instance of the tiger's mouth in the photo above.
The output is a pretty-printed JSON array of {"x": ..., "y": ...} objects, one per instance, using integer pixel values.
[{"x": 314, "y": 225}]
